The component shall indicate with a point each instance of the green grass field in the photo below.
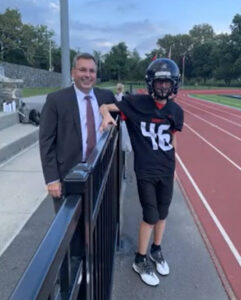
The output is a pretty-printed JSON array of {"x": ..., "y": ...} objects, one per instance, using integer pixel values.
[
  {"x": 220, "y": 99},
  {"x": 28, "y": 92}
]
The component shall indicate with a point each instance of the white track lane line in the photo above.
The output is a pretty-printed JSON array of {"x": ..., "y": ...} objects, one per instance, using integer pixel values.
[
  {"x": 215, "y": 115},
  {"x": 215, "y": 148},
  {"x": 211, "y": 213},
  {"x": 213, "y": 105},
  {"x": 213, "y": 125}
]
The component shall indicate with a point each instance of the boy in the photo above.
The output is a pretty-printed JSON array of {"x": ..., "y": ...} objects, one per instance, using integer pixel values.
[{"x": 152, "y": 121}]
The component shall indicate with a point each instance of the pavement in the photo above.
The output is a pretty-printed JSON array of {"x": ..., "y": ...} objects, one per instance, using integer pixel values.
[
  {"x": 192, "y": 272},
  {"x": 35, "y": 102},
  {"x": 22, "y": 186},
  {"x": 26, "y": 211}
]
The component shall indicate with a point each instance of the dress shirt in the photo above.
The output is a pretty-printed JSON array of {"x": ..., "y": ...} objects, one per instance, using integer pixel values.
[
  {"x": 82, "y": 113},
  {"x": 119, "y": 96}
]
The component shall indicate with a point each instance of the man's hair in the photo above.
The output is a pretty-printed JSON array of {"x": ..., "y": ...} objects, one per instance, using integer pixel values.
[
  {"x": 84, "y": 56},
  {"x": 120, "y": 87}
]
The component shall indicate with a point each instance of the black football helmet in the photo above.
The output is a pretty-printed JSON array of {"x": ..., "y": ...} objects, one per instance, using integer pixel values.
[{"x": 160, "y": 69}]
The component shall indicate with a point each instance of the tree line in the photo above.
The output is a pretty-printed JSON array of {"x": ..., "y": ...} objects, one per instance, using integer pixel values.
[{"x": 201, "y": 54}]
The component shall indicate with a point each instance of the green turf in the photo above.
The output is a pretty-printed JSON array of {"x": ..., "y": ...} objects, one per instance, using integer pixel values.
[
  {"x": 28, "y": 92},
  {"x": 220, "y": 99},
  {"x": 204, "y": 87}
]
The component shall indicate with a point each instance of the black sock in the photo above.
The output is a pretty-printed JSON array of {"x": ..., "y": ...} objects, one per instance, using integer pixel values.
[
  {"x": 155, "y": 247},
  {"x": 139, "y": 257}
]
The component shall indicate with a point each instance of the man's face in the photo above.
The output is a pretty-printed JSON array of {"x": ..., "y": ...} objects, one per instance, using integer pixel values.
[
  {"x": 84, "y": 74},
  {"x": 162, "y": 87}
]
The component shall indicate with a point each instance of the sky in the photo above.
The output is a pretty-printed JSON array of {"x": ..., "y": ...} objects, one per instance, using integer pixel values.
[{"x": 100, "y": 24}]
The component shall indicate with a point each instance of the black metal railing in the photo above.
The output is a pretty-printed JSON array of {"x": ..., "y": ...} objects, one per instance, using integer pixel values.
[{"x": 75, "y": 259}]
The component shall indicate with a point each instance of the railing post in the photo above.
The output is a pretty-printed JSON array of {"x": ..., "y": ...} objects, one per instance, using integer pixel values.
[{"x": 88, "y": 208}]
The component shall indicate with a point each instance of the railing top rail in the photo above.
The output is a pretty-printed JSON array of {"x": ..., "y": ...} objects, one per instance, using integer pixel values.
[
  {"x": 45, "y": 263},
  {"x": 81, "y": 171}
]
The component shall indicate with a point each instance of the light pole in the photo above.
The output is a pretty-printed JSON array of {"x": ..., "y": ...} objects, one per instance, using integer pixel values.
[
  {"x": 1, "y": 44},
  {"x": 64, "y": 27},
  {"x": 183, "y": 69},
  {"x": 50, "y": 56}
]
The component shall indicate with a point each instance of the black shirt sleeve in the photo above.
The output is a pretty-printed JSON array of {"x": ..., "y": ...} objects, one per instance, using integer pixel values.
[
  {"x": 124, "y": 106},
  {"x": 179, "y": 119}
]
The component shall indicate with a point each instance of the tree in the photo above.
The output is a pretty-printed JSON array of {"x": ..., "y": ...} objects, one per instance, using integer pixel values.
[
  {"x": 56, "y": 59},
  {"x": 203, "y": 62},
  {"x": 201, "y": 33},
  {"x": 116, "y": 62},
  {"x": 134, "y": 71},
  {"x": 22, "y": 43},
  {"x": 180, "y": 45},
  {"x": 10, "y": 28},
  {"x": 236, "y": 36},
  {"x": 99, "y": 61},
  {"x": 224, "y": 55}
]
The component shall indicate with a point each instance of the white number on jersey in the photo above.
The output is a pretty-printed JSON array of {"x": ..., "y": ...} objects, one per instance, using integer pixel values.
[{"x": 158, "y": 137}]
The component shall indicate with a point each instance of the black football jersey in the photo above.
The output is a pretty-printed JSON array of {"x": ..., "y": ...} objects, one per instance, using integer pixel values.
[{"x": 151, "y": 131}]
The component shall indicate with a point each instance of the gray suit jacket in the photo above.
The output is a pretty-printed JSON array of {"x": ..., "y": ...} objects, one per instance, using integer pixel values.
[{"x": 60, "y": 131}]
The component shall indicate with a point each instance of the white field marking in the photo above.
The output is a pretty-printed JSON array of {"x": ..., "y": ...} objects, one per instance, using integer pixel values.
[
  {"x": 215, "y": 115},
  {"x": 215, "y": 148},
  {"x": 219, "y": 128},
  {"x": 211, "y": 213},
  {"x": 213, "y": 105}
]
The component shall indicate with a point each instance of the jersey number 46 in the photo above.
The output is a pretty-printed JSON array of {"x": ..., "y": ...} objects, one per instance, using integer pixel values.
[{"x": 158, "y": 136}]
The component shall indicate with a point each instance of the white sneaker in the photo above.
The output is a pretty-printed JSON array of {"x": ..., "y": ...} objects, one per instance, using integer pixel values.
[
  {"x": 146, "y": 272},
  {"x": 161, "y": 265}
]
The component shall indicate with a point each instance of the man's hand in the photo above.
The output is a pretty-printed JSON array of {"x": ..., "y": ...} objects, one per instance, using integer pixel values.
[
  {"x": 54, "y": 189},
  {"x": 107, "y": 118}
]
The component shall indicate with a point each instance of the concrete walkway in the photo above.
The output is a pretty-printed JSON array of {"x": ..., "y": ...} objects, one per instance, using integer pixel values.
[
  {"x": 22, "y": 190},
  {"x": 22, "y": 186},
  {"x": 192, "y": 272},
  {"x": 36, "y": 102}
]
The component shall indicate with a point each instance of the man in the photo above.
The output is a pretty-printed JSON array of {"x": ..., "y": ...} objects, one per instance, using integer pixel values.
[
  {"x": 119, "y": 91},
  {"x": 66, "y": 137},
  {"x": 152, "y": 121}
]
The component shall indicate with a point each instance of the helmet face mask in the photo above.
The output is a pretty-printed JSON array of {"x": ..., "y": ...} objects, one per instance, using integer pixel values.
[
  {"x": 162, "y": 69},
  {"x": 162, "y": 88}
]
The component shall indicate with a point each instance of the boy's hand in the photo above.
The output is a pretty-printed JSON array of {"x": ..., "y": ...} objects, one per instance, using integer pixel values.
[{"x": 107, "y": 118}]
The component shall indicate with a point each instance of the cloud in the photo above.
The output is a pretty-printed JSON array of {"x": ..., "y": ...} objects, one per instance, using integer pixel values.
[
  {"x": 141, "y": 35},
  {"x": 54, "y": 7},
  {"x": 127, "y": 7}
]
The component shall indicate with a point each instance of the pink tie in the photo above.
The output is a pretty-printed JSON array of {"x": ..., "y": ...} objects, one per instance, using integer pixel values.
[{"x": 91, "y": 134}]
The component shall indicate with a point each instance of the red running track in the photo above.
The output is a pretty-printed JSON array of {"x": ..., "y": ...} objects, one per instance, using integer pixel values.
[{"x": 209, "y": 171}]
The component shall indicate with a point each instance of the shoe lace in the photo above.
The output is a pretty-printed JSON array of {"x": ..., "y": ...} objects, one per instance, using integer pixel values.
[
  {"x": 158, "y": 256},
  {"x": 147, "y": 267}
]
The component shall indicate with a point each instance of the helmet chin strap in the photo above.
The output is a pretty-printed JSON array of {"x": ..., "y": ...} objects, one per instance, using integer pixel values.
[{"x": 163, "y": 94}]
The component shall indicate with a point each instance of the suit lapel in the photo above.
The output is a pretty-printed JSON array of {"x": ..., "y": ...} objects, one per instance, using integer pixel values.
[
  {"x": 97, "y": 93},
  {"x": 75, "y": 111}
]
